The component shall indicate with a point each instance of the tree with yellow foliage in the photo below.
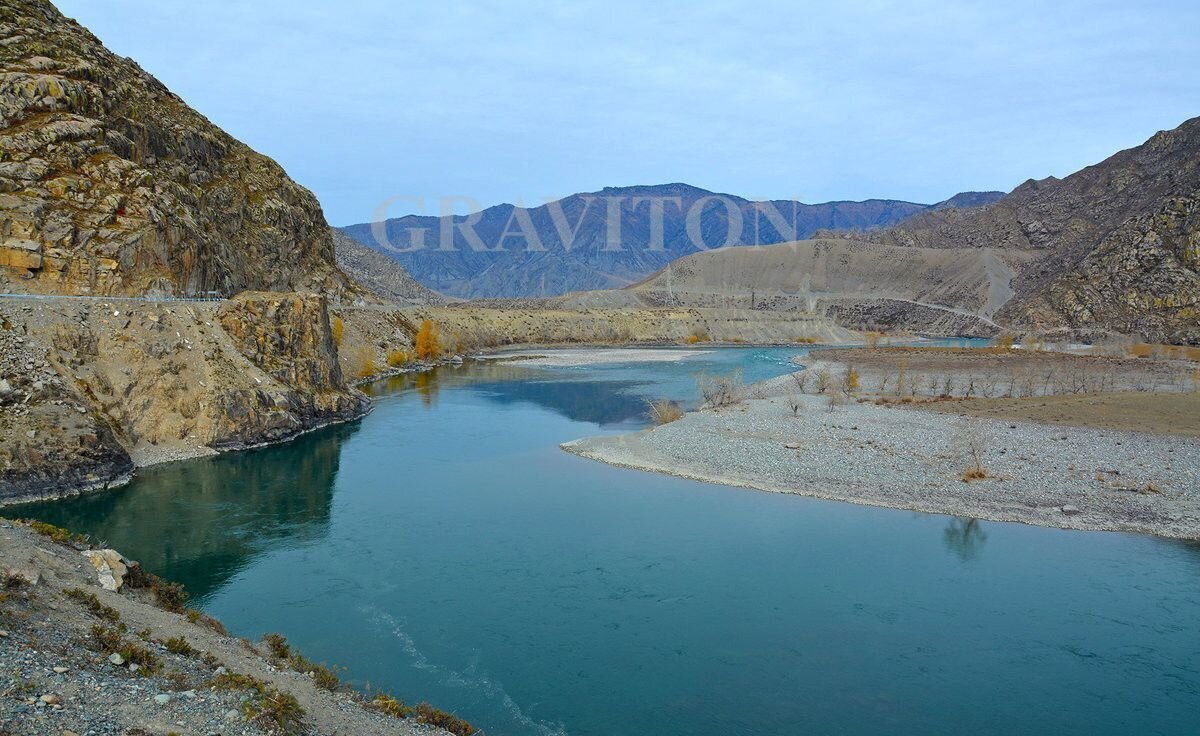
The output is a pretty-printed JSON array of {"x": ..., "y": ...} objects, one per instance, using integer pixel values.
[{"x": 428, "y": 343}]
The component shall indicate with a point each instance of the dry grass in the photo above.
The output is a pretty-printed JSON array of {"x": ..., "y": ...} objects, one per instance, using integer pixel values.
[
  {"x": 338, "y": 328},
  {"x": 664, "y": 411}
]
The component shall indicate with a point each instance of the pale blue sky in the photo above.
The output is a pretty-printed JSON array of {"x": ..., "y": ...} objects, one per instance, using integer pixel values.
[{"x": 499, "y": 101}]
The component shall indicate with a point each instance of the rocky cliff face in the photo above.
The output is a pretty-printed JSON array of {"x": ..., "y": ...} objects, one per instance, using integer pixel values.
[
  {"x": 1114, "y": 245},
  {"x": 111, "y": 184},
  {"x": 89, "y": 389}
]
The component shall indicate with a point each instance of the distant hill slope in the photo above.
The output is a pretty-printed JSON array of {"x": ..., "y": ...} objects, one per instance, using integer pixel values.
[
  {"x": 379, "y": 274},
  {"x": 574, "y": 247},
  {"x": 111, "y": 184},
  {"x": 1116, "y": 245}
]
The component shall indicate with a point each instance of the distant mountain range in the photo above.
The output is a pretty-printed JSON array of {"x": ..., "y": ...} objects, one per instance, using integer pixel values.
[{"x": 609, "y": 239}]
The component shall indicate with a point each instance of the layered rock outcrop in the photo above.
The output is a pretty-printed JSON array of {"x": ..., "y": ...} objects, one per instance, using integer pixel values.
[{"x": 89, "y": 389}]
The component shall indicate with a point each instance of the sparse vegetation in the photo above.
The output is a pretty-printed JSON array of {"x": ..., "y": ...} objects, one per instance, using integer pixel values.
[
  {"x": 338, "y": 328},
  {"x": 323, "y": 676},
  {"x": 93, "y": 604},
  {"x": 170, "y": 596},
  {"x": 179, "y": 645},
  {"x": 397, "y": 358},
  {"x": 110, "y": 641},
  {"x": 722, "y": 391},
  {"x": 426, "y": 713},
  {"x": 800, "y": 378},
  {"x": 697, "y": 337},
  {"x": 664, "y": 411},
  {"x": 795, "y": 403},
  {"x": 428, "y": 343},
  {"x": 266, "y": 706}
]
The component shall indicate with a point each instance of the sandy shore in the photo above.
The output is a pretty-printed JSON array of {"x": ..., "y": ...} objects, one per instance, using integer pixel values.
[{"x": 909, "y": 458}]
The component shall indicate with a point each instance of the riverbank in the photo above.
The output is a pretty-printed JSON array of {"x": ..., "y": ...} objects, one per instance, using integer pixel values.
[
  {"x": 905, "y": 456},
  {"x": 77, "y": 656}
]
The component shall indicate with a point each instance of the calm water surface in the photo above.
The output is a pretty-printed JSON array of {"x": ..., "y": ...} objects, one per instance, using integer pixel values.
[{"x": 450, "y": 552}]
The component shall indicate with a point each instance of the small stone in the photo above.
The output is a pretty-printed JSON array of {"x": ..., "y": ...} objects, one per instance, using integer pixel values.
[
  {"x": 221, "y": 670},
  {"x": 60, "y": 669},
  {"x": 116, "y": 659},
  {"x": 231, "y": 714},
  {"x": 1070, "y": 510},
  {"x": 162, "y": 698},
  {"x": 49, "y": 699},
  {"x": 133, "y": 667}
]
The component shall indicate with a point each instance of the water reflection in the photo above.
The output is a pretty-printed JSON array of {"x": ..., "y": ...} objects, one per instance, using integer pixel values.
[
  {"x": 200, "y": 522},
  {"x": 965, "y": 538},
  {"x": 605, "y": 403}
]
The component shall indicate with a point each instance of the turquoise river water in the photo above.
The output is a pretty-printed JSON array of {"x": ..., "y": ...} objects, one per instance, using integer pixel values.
[{"x": 445, "y": 549}]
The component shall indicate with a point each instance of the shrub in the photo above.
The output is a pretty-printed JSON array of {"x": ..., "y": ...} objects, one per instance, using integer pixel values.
[
  {"x": 795, "y": 403},
  {"x": 822, "y": 380},
  {"x": 426, "y": 713},
  {"x": 664, "y": 411},
  {"x": 170, "y": 596},
  {"x": 278, "y": 645},
  {"x": 110, "y": 641},
  {"x": 273, "y": 708},
  {"x": 428, "y": 343},
  {"x": 56, "y": 533},
  {"x": 697, "y": 336},
  {"x": 720, "y": 391},
  {"x": 390, "y": 706},
  {"x": 806, "y": 340},
  {"x": 266, "y": 706},
  {"x": 851, "y": 381},
  {"x": 338, "y": 328},
  {"x": 397, "y": 358},
  {"x": 93, "y": 604},
  {"x": 368, "y": 368},
  {"x": 1004, "y": 341},
  {"x": 801, "y": 379},
  {"x": 179, "y": 645}
]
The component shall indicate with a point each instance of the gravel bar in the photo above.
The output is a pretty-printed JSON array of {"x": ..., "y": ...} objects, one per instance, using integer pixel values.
[{"x": 908, "y": 458}]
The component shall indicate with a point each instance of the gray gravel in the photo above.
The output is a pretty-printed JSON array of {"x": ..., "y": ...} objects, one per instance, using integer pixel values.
[{"x": 1067, "y": 477}]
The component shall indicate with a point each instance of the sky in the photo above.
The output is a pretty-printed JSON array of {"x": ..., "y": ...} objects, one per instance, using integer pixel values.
[{"x": 367, "y": 102}]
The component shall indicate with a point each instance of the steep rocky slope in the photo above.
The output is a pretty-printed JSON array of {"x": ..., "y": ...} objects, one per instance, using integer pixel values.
[
  {"x": 115, "y": 383},
  {"x": 111, "y": 184},
  {"x": 379, "y": 274},
  {"x": 576, "y": 246},
  {"x": 1115, "y": 245}
]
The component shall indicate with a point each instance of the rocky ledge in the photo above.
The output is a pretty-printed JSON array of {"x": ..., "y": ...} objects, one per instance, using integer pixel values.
[{"x": 91, "y": 389}]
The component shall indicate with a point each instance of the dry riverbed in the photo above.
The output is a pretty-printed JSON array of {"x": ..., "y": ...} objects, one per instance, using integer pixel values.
[{"x": 908, "y": 456}]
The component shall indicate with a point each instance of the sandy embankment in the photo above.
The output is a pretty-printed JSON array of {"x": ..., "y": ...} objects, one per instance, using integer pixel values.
[{"x": 911, "y": 458}]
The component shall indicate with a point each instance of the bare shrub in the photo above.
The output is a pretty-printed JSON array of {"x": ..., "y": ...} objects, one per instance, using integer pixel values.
[
  {"x": 795, "y": 403},
  {"x": 664, "y": 411},
  {"x": 721, "y": 391},
  {"x": 975, "y": 441},
  {"x": 801, "y": 379},
  {"x": 822, "y": 381}
]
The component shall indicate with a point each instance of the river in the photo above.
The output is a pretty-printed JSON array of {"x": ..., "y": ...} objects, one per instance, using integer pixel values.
[{"x": 445, "y": 549}]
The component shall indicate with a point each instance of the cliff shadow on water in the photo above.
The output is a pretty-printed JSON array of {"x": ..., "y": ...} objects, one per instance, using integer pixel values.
[{"x": 199, "y": 522}]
